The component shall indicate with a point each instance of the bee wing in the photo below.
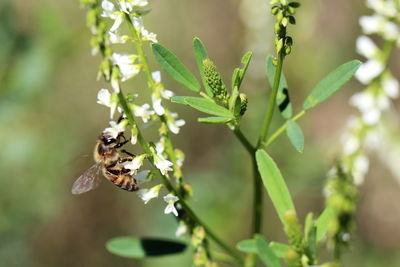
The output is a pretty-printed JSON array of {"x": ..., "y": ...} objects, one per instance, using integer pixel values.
[{"x": 89, "y": 180}]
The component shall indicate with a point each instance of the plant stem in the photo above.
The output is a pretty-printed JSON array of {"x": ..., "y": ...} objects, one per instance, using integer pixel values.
[
  {"x": 170, "y": 187},
  {"x": 281, "y": 129},
  {"x": 272, "y": 101},
  {"x": 245, "y": 142}
]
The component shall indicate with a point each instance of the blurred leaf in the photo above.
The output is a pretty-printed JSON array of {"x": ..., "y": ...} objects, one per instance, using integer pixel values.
[
  {"x": 250, "y": 246},
  {"x": 282, "y": 98},
  {"x": 131, "y": 247},
  {"x": 274, "y": 183},
  {"x": 295, "y": 135},
  {"x": 312, "y": 242},
  {"x": 179, "y": 100},
  {"x": 279, "y": 249},
  {"x": 214, "y": 120},
  {"x": 331, "y": 83},
  {"x": 204, "y": 105},
  {"x": 309, "y": 222},
  {"x": 201, "y": 53},
  {"x": 265, "y": 253},
  {"x": 242, "y": 72},
  {"x": 174, "y": 67},
  {"x": 323, "y": 222}
]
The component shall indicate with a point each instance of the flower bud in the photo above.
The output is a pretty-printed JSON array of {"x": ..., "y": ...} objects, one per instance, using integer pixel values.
[
  {"x": 274, "y": 10},
  {"x": 243, "y": 103},
  {"x": 214, "y": 80}
]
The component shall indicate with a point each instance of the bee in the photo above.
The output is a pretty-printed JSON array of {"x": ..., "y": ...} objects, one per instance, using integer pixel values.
[{"x": 109, "y": 162}]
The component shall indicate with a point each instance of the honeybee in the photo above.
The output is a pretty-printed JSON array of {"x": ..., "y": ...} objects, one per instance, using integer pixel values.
[{"x": 109, "y": 162}]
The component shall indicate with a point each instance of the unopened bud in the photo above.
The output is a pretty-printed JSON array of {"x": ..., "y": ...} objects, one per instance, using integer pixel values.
[
  {"x": 274, "y": 10},
  {"x": 243, "y": 103},
  {"x": 214, "y": 80}
]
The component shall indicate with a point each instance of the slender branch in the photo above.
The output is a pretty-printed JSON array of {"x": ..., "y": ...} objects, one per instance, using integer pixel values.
[
  {"x": 272, "y": 100},
  {"x": 245, "y": 142},
  {"x": 281, "y": 129}
]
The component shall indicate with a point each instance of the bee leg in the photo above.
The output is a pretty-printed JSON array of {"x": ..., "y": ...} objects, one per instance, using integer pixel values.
[
  {"x": 128, "y": 153},
  {"x": 121, "y": 144}
]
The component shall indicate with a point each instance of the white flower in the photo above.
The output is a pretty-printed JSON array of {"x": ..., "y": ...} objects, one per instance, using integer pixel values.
[
  {"x": 371, "y": 116},
  {"x": 148, "y": 194},
  {"x": 386, "y": 8},
  {"x": 135, "y": 163},
  {"x": 360, "y": 168},
  {"x": 118, "y": 22},
  {"x": 140, "y": 3},
  {"x": 146, "y": 35},
  {"x": 371, "y": 24},
  {"x": 391, "y": 87},
  {"x": 116, "y": 38},
  {"x": 366, "y": 47},
  {"x": 369, "y": 70},
  {"x": 160, "y": 146},
  {"x": 180, "y": 157},
  {"x": 182, "y": 229},
  {"x": 162, "y": 164},
  {"x": 126, "y": 64},
  {"x": 170, "y": 199},
  {"x": 390, "y": 31},
  {"x": 167, "y": 94},
  {"x": 350, "y": 144},
  {"x": 116, "y": 128},
  {"x": 174, "y": 125},
  {"x": 108, "y": 9},
  {"x": 106, "y": 99},
  {"x": 156, "y": 75},
  {"x": 363, "y": 101},
  {"x": 128, "y": 5},
  {"x": 156, "y": 100},
  {"x": 143, "y": 112}
]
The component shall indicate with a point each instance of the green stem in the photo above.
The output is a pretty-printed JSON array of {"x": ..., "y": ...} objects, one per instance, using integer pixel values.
[
  {"x": 245, "y": 142},
  {"x": 170, "y": 187},
  {"x": 272, "y": 101},
  {"x": 281, "y": 129}
]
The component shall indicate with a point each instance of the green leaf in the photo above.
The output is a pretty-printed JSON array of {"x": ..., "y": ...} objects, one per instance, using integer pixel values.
[
  {"x": 174, "y": 67},
  {"x": 324, "y": 221},
  {"x": 179, "y": 99},
  {"x": 331, "y": 84},
  {"x": 295, "y": 135},
  {"x": 282, "y": 99},
  {"x": 245, "y": 61},
  {"x": 214, "y": 120},
  {"x": 265, "y": 253},
  {"x": 279, "y": 249},
  {"x": 207, "y": 106},
  {"x": 250, "y": 246},
  {"x": 131, "y": 247},
  {"x": 274, "y": 183},
  {"x": 200, "y": 53},
  {"x": 309, "y": 222}
]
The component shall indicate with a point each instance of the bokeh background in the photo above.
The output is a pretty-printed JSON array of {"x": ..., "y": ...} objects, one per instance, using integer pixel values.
[{"x": 50, "y": 121}]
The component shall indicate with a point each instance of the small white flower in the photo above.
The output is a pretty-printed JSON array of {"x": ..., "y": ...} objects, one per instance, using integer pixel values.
[
  {"x": 162, "y": 164},
  {"x": 369, "y": 70},
  {"x": 143, "y": 112},
  {"x": 140, "y": 3},
  {"x": 372, "y": 116},
  {"x": 180, "y": 157},
  {"x": 167, "y": 94},
  {"x": 386, "y": 8},
  {"x": 156, "y": 75},
  {"x": 363, "y": 101},
  {"x": 371, "y": 24},
  {"x": 182, "y": 229},
  {"x": 116, "y": 38},
  {"x": 390, "y": 31},
  {"x": 174, "y": 126},
  {"x": 158, "y": 108},
  {"x": 351, "y": 144},
  {"x": 360, "y": 168},
  {"x": 170, "y": 199},
  {"x": 106, "y": 99},
  {"x": 135, "y": 164},
  {"x": 160, "y": 146},
  {"x": 366, "y": 47},
  {"x": 148, "y": 194},
  {"x": 145, "y": 34},
  {"x": 118, "y": 22},
  {"x": 108, "y": 9},
  {"x": 116, "y": 128},
  {"x": 391, "y": 87},
  {"x": 126, "y": 64}
]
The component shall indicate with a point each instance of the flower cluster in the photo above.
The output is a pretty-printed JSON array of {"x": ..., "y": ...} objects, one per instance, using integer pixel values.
[
  {"x": 108, "y": 21},
  {"x": 381, "y": 86}
]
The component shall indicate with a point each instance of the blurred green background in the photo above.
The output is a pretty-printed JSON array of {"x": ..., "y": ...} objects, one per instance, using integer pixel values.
[{"x": 50, "y": 121}]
